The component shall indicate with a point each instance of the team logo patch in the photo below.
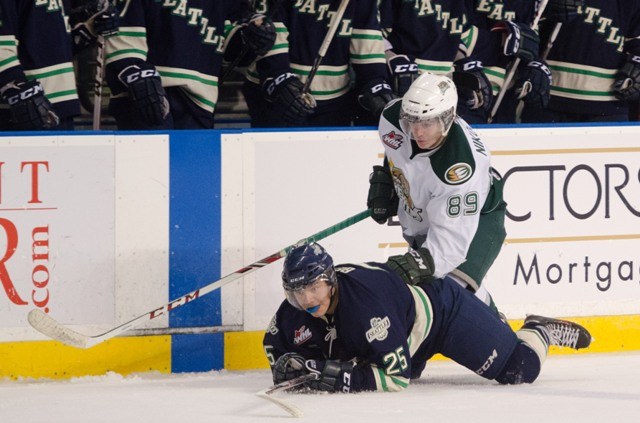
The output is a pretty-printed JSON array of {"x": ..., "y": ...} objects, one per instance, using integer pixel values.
[
  {"x": 392, "y": 139},
  {"x": 458, "y": 173},
  {"x": 379, "y": 329},
  {"x": 273, "y": 328},
  {"x": 302, "y": 335}
]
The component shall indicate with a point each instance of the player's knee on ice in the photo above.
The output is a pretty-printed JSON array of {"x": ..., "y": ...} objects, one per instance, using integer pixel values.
[{"x": 523, "y": 366}]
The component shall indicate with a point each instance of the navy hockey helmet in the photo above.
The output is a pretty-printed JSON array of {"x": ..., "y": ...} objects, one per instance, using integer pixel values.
[{"x": 303, "y": 266}]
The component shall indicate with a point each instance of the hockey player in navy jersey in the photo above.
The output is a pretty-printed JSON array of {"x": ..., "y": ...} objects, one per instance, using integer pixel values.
[
  {"x": 437, "y": 178},
  {"x": 455, "y": 38},
  {"x": 164, "y": 64},
  {"x": 274, "y": 86},
  {"x": 360, "y": 327},
  {"x": 37, "y": 83},
  {"x": 595, "y": 61}
]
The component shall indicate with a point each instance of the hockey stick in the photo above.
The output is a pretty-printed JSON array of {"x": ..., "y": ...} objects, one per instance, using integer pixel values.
[
  {"x": 283, "y": 386},
  {"x": 527, "y": 85},
  {"x": 514, "y": 66},
  {"x": 333, "y": 27},
  {"x": 47, "y": 325},
  {"x": 97, "y": 89}
]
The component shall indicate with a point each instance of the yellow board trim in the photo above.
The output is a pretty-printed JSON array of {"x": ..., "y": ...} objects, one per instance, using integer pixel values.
[
  {"x": 243, "y": 350},
  {"x": 50, "y": 359}
]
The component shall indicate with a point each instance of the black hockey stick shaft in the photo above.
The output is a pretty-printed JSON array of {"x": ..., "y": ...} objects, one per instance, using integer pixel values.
[{"x": 47, "y": 325}]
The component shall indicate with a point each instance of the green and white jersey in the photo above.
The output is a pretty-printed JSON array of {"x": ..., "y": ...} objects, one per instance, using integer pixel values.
[{"x": 442, "y": 191}]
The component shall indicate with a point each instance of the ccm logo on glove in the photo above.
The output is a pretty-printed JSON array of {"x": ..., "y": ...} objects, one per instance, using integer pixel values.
[
  {"x": 28, "y": 93},
  {"x": 145, "y": 73}
]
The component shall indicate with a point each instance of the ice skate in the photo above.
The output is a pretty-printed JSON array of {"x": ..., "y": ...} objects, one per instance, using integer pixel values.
[{"x": 561, "y": 332}]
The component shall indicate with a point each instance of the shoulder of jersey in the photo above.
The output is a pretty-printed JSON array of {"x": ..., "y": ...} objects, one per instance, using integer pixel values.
[
  {"x": 391, "y": 134},
  {"x": 454, "y": 163}
]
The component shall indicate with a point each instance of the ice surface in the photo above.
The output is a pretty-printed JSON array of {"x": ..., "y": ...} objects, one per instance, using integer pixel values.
[{"x": 580, "y": 388}]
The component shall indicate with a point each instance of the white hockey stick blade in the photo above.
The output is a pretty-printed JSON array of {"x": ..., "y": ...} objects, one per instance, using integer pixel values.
[
  {"x": 47, "y": 325},
  {"x": 285, "y": 405}
]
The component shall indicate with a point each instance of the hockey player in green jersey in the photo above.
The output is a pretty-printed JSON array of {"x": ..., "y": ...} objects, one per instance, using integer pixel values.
[{"x": 437, "y": 178}]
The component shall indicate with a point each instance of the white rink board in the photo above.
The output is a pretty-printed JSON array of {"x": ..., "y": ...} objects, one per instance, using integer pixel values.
[
  {"x": 99, "y": 250},
  {"x": 297, "y": 183}
]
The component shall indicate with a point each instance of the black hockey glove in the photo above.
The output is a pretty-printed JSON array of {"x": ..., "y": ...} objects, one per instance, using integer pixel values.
[
  {"x": 520, "y": 41},
  {"x": 288, "y": 366},
  {"x": 259, "y": 33},
  {"x": 627, "y": 85},
  {"x": 474, "y": 88},
  {"x": 562, "y": 10},
  {"x": 29, "y": 108},
  {"x": 146, "y": 92},
  {"x": 333, "y": 375},
  {"x": 375, "y": 95},
  {"x": 96, "y": 17},
  {"x": 403, "y": 72},
  {"x": 413, "y": 267},
  {"x": 533, "y": 86},
  {"x": 382, "y": 199},
  {"x": 285, "y": 91}
]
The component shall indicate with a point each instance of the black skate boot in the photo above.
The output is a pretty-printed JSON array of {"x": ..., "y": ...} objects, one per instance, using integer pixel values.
[{"x": 560, "y": 332}]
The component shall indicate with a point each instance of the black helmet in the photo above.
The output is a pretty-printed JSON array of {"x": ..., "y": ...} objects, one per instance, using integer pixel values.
[{"x": 304, "y": 265}]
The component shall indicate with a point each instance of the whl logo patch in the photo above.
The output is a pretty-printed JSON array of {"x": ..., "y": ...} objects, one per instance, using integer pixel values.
[
  {"x": 392, "y": 139},
  {"x": 379, "y": 329},
  {"x": 302, "y": 335}
]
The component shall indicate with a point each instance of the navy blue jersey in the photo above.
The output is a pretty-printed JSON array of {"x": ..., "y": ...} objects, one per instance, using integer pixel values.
[
  {"x": 391, "y": 329},
  {"x": 372, "y": 323},
  {"x": 301, "y": 29},
  {"x": 436, "y": 33},
  {"x": 35, "y": 43},
  {"x": 587, "y": 54},
  {"x": 185, "y": 41},
  {"x": 430, "y": 34}
]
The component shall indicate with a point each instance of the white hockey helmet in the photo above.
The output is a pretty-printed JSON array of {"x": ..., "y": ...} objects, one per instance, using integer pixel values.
[{"x": 430, "y": 98}]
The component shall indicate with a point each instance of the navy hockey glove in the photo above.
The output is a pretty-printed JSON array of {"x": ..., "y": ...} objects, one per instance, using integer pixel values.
[
  {"x": 29, "y": 108},
  {"x": 413, "y": 267},
  {"x": 382, "y": 199},
  {"x": 563, "y": 10},
  {"x": 474, "y": 88},
  {"x": 97, "y": 17},
  {"x": 288, "y": 366},
  {"x": 520, "y": 41},
  {"x": 259, "y": 33},
  {"x": 333, "y": 375},
  {"x": 285, "y": 91},
  {"x": 375, "y": 95},
  {"x": 534, "y": 84},
  {"x": 403, "y": 72},
  {"x": 627, "y": 85},
  {"x": 146, "y": 92}
]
